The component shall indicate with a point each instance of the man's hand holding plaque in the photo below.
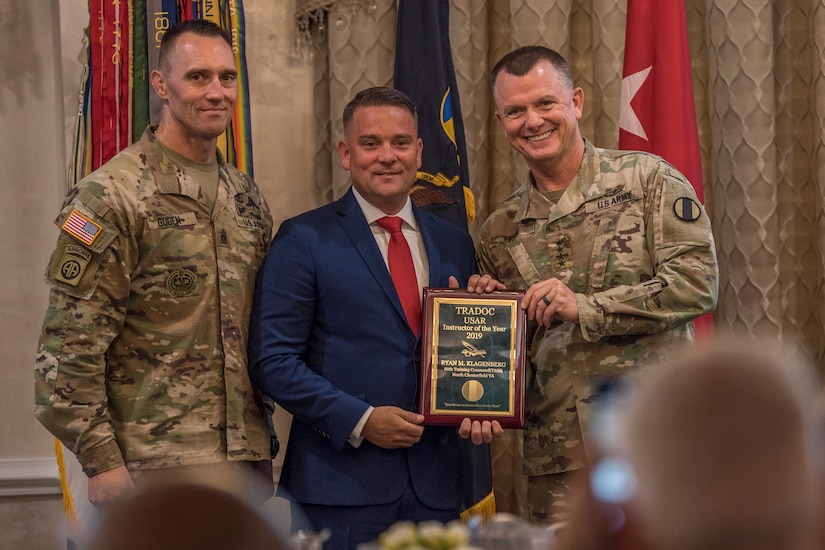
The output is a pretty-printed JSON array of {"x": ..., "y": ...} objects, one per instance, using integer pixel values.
[{"x": 473, "y": 353}]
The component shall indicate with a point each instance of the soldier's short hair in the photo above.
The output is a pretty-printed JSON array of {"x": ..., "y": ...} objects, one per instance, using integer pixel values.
[
  {"x": 521, "y": 61},
  {"x": 201, "y": 27}
]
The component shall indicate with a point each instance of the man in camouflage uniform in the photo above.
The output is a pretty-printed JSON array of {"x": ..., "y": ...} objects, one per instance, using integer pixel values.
[
  {"x": 613, "y": 249},
  {"x": 141, "y": 364}
]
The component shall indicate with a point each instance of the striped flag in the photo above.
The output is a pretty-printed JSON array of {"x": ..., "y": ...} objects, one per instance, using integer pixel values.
[
  {"x": 657, "y": 113},
  {"x": 117, "y": 102},
  {"x": 81, "y": 227}
]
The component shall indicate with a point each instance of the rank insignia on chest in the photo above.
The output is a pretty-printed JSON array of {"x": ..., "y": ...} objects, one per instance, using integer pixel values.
[{"x": 561, "y": 252}]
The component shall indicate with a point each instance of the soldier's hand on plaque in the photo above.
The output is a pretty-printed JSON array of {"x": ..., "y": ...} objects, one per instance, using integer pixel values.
[
  {"x": 393, "y": 428},
  {"x": 479, "y": 284},
  {"x": 480, "y": 431},
  {"x": 473, "y": 345},
  {"x": 549, "y": 300}
]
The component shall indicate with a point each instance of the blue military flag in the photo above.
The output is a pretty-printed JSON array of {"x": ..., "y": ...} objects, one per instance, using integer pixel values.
[{"x": 424, "y": 71}]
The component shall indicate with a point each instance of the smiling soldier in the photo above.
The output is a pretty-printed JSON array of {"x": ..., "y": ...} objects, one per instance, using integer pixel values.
[{"x": 614, "y": 265}]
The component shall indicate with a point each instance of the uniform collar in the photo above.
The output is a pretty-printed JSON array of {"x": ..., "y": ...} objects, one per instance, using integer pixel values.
[
  {"x": 586, "y": 186},
  {"x": 166, "y": 171}
]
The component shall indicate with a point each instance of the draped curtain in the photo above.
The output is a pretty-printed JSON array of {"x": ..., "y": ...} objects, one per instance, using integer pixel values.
[{"x": 759, "y": 83}]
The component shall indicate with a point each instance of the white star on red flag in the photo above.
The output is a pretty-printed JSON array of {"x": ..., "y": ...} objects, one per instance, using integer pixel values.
[
  {"x": 657, "y": 73},
  {"x": 628, "y": 120}
]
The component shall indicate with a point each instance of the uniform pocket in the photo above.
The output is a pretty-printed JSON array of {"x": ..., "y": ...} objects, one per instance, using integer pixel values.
[{"x": 48, "y": 355}]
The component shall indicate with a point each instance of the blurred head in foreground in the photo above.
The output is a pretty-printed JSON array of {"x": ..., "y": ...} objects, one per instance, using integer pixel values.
[
  {"x": 724, "y": 450},
  {"x": 184, "y": 516}
]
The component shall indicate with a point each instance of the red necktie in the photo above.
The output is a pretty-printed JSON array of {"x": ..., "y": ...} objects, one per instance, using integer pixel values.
[{"x": 402, "y": 271}]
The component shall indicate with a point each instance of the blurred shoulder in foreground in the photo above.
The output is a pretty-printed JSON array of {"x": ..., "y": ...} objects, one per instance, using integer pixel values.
[
  {"x": 184, "y": 516},
  {"x": 723, "y": 450}
]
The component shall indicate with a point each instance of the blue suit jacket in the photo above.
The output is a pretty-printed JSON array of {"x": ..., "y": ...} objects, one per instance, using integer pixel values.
[{"x": 328, "y": 337}]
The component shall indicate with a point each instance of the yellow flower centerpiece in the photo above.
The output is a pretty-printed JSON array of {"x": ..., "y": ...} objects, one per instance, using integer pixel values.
[{"x": 427, "y": 535}]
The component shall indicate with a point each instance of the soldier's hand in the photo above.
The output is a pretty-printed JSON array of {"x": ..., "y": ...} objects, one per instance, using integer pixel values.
[
  {"x": 393, "y": 428},
  {"x": 481, "y": 284},
  {"x": 548, "y": 300},
  {"x": 110, "y": 485},
  {"x": 480, "y": 431}
]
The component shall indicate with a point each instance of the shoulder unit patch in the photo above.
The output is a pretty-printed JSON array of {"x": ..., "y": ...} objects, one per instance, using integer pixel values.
[{"x": 687, "y": 209}]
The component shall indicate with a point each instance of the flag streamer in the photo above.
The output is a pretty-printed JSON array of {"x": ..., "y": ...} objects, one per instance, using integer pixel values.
[
  {"x": 241, "y": 129},
  {"x": 140, "y": 72},
  {"x": 116, "y": 102}
]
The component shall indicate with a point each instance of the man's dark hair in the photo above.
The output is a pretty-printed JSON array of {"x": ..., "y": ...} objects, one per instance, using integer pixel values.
[
  {"x": 379, "y": 96},
  {"x": 201, "y": 27},
  {"x": 521, "y": 61}
]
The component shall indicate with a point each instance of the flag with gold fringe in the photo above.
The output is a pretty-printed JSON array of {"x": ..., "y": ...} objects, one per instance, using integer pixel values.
[
  {"x": 116, "y": 104},
  {"x": 424, "y": 71}
]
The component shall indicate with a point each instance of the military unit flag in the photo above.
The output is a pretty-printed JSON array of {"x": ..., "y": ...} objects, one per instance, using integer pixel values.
[
  {"x": 424, "y": 71},
  {"x": 657, "y": 112}
]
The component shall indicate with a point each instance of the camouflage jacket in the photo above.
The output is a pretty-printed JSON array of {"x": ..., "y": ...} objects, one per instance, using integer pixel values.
[
  {"x": 630, "y": 238},
  {"x": 142, "y": 356}
]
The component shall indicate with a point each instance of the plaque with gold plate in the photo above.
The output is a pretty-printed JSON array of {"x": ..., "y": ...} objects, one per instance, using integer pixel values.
[{"x": 473, "y": 350}]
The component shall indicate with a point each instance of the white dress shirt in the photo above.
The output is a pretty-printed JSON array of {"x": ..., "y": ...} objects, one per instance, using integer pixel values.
[{"x": 419, "y": 256}]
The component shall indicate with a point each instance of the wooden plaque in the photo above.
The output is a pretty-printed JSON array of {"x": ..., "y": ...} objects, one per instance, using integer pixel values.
[{"x": 472, "y": 357}]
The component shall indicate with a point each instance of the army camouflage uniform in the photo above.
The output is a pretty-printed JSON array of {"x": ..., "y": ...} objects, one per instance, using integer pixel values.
[
  {"x": 142, "y": 356},
  {"x": 630, "y": 238}
]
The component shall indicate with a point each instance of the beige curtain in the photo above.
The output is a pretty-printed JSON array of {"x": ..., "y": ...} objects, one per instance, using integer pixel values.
[{"x": 759, "y": 83}]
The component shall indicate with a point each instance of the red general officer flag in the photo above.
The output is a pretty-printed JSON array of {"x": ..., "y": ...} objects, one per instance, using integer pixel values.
[{"x": 657, "y": 113}]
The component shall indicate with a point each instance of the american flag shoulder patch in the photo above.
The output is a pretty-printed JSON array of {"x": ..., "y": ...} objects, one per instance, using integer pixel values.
[{"x": 81, "y": 227}]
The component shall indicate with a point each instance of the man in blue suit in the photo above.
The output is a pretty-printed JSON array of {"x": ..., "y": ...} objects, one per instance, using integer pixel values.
[{"x": 330, "y": 342}]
